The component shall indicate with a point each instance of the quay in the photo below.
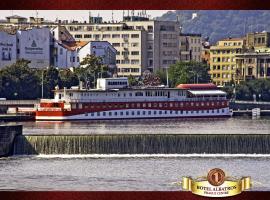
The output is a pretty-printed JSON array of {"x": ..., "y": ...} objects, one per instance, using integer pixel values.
[{"x": 16, "y": 117}]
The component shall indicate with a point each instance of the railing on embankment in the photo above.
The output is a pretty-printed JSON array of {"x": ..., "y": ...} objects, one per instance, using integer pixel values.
[{"x": 143, "y": 144}]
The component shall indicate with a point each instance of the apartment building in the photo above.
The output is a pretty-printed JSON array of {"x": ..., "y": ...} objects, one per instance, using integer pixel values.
[
  {"x": 141, "y": 44},
  {"x": 222, "y": 60},
  {"x": 162, "y": 41},
  {"x": 190, "y": 47},
  {"x": 130, "y": 59}
]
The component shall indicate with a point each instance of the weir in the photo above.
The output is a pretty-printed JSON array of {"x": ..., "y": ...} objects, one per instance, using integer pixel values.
[{"x": 143, "y": 144}]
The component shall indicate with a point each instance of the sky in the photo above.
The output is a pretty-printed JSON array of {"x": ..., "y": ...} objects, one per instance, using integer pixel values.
[{"x": 78, "y": 15}]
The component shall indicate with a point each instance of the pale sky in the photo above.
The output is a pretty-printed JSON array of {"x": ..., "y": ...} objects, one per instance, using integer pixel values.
[{"x": 79, "y": 15}]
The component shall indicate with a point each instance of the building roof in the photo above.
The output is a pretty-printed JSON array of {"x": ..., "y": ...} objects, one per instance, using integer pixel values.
[
  {"x": 232, "y": 39},
  {"x": 191, "y": 34},
  {"x": 207, "y": 92},
  {"x": 15, "y": 17},
  {"x": 204, "y": 86},
  {"x": 72, "y": 46}
]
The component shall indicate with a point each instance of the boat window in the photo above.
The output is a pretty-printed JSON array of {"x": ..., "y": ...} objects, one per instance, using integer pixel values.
[
  {"x": 149, "y": 112},
  {"x": 104, "y": 113},
  {"x": 160, "y": 112},
  {"x": 115, "y": 113},
  {"x": 138, "y": 112},
  {"x": 127, "y": 113}
]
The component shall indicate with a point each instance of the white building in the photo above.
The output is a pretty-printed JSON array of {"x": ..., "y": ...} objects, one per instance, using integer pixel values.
[
  {"x": 34, "y": 45},
  {"x": 8, "y": 54},
  {"x": 102, "y": 49}
]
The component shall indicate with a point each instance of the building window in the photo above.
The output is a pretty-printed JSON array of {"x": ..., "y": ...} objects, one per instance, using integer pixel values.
[
  {"x": 135, "y": 35},
  {"x": 115, "y": 35},
  {"x": 78, "y": 36},
  {"x": 135, "y": 53},
  {"x": 87, "y": 36},
  {"x": 116, "y": 44}
]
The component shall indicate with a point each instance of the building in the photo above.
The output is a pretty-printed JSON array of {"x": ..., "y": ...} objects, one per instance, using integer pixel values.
[
  {"x": 222, "y": 60},
  {"x": 102, "y": 49},
  {"x": 35, "y": 45},
  {"x": 30, "y": 44},
  {"x": 141, "y": 44},
  {"x": 253, "y": 65},
  {"x": 258, "y": 40},
  {"x": 162, "y": 41},
  {"x": 16, "y": 19},
  {"x": 190, "y": 47},
  {"x": 8, "y": 48}
]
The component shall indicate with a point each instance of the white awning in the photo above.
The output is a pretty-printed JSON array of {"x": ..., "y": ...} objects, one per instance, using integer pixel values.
[{"x": 207, "y": 92}]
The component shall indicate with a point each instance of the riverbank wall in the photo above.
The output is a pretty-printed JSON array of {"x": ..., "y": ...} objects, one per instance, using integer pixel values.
[{"x": 7, "y": 136}]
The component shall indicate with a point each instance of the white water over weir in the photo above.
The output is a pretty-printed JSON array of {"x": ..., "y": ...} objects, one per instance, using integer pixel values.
[{"x": 143, "y": 144}]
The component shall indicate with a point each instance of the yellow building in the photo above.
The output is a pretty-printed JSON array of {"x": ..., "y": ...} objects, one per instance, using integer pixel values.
[{"x": 222, "y": 60}]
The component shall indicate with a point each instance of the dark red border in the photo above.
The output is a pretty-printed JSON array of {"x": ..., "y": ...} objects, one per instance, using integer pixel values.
[
  {"x": 134, "y": 4},
  {"x": 124, "y": 195}
]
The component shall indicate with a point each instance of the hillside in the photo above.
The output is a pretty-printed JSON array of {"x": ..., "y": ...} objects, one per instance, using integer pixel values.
[{"x": 220, "y": 24}]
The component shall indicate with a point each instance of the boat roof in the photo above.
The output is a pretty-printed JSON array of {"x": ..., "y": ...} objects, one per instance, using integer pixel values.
[
  {"x": 207, "y": 92},
  {"x": 202, "y": 86}
]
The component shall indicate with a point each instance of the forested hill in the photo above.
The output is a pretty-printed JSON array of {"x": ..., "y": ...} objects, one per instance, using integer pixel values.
[{"x": 218, "y": 24}]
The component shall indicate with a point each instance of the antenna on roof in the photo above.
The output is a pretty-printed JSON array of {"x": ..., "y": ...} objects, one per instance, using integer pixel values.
[
  {"x": 123, "y": 14},
  {"x": 112, "y": 17},
  {"x": 128, "y": 13}
]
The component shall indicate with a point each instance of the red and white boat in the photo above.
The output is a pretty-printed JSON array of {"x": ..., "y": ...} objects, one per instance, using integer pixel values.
[{"x": 114, "y": 99}]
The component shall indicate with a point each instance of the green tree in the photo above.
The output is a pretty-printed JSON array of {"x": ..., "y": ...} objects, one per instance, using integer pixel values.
[
  {"x": 51, "y": 79},
  {"x": 68, "y": 78},
  {"x": 188, "y": 72},
  {"x": 91, "y": 69},
  {"x": 132, "y": 81},
  {"x": 162, "y": 76},
  {"x": 18, "y": 81}
]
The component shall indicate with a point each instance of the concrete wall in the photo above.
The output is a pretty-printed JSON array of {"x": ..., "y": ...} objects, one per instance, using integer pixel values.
[
  {"x": 8, "y": 54},
  {"x": 7, "y": 136}
]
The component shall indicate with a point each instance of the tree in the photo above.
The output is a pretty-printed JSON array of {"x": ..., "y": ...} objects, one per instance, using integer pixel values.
[
  {"x": 188, "y": 72},
  {"x": 18, "y": 81},
  {"x": 91, "y": 69},
  {"x": 132, "y": 81},
  {"x": 68, "y": 78},
  {"x": 51, "y": 79},
  {"x": 260, "y": 88}
]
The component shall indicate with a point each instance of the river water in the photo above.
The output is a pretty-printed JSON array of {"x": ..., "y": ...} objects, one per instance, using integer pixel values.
[{"x": 132, "y": 172}]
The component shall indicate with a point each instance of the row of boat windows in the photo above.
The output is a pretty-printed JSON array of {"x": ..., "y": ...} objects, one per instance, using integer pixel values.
[
  {"x": 127, "y": 113},
  {"x": 148, "y": 105},
  {"x": 130, "y": 94}
]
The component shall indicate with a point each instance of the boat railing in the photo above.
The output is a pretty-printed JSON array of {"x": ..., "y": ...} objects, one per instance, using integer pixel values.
[
  {"x": 148, "y": 100},
  {"x": 49, "y": 109}
]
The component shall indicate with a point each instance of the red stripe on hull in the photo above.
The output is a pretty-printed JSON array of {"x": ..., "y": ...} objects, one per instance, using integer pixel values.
[{"x": 101, "y": 107}]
